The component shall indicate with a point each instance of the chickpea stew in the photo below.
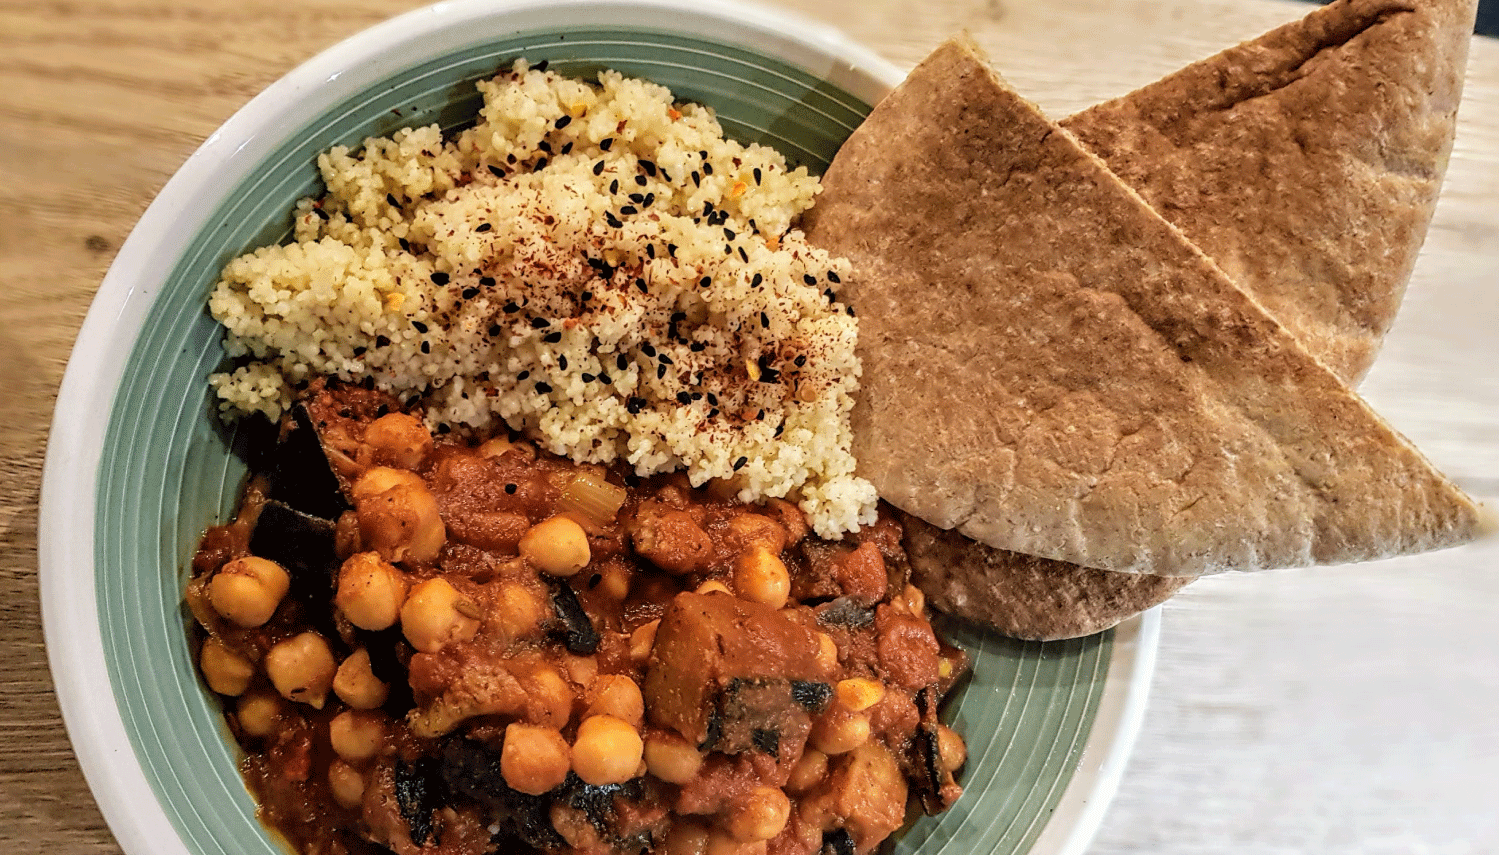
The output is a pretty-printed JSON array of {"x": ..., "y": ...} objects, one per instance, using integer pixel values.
[{"x": 443, "y": 645}]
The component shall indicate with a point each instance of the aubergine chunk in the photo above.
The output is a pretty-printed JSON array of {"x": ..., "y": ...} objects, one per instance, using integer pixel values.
[
  {"x": 724, "y": 668},
  {"x": 572, "y": 626},
  {"x": 472, "y": 769},
  {"x": 925, "y": 765},
  {"x": 302, "y": 477},
  {"x": 302, "y": 543}
]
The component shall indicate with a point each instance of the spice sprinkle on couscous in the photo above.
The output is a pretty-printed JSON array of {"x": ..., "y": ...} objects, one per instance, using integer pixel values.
[{"x": 593, "y": 264}]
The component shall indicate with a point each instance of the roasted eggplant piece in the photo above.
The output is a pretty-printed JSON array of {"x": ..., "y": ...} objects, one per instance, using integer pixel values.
[
  {"x": 572, "y": 627},
  {"x": 302, "y": 477},
  {"x": 472, "y": 768},
  {"x": 304, "y": 545},
  {"x": 935, "y": 784},
  {"x": 419, "y": 793}
]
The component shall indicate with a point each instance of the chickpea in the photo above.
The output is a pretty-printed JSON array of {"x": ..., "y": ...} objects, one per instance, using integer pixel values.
[
  {"x": 225, "y": 671},
  {"x": 558, "y": 546},
  {"x": 501, "y": 445},
  {"x": 534, "y": 759},
  {"x": 357, "y": 735},
  {"x": 370, "y": 591},
  {"x": 614, "y": 580},
  {"x": 551, "y": 697},
  {"x": 761, "y": 576},
  {"x": 672, "y": 758},
  {"x": 301, "y": 668},
  {"x": 247, "y": 590},
  {"x": 381, "y": 478},
  {"x": 619, "y": 696},
  {"x": 606, "y": 750},
  {"x": 401, "y": 522},
  {"x": 519, "y": 612},
  {"x": 951, "y": 748},
  {"x": 808, "y": 772},
  {"x": 859, "y": 693},
  {"x": 827, "y": 651},
  {"x": 643, "y": 640},
  {"x": 258, "y": 713},
  {"x": 355, "y": 682},
  {"x": 346, "y": 783},
  {"x": 839, "y": 731},
  {"x": 723, "y": 843},
  {"x": 915, "y": 601},
  {"x": 759, "y": 815},
  {"x": 434, "y": 616},
  {"x": 713, "y": 586},
  {"x": 399, "y": 440}
]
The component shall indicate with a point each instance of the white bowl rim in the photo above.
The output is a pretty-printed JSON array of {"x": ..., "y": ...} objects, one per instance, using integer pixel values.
[{"x": 115, "y": 317}]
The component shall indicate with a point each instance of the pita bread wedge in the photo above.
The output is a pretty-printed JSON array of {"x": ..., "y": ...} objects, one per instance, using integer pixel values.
[
  {"x": 1051, "y": 368},
  {"x": 1306, "y": 162},
  {"x": 1023, "y": 596}
]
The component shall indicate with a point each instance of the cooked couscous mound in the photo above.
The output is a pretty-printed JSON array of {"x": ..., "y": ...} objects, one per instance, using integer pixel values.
[{"x": 594, "y": 265}]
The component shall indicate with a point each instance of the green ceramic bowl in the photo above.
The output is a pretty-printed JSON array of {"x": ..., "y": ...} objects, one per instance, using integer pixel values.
[{"x": 138, "y": 466}]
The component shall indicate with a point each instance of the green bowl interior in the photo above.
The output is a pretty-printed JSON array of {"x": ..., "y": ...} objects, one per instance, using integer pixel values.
[{"x": 169, "y": 469}]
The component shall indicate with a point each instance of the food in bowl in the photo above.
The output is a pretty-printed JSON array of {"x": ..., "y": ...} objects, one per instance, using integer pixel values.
[
  {"x": 445, "y": 644},
  {"x": 437, "y": 634}
]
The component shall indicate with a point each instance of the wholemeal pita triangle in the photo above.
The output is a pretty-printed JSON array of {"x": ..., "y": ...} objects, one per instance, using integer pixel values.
[
  {"x": 1052, "y": 369},
  {"x": 1306, "y": 163}
]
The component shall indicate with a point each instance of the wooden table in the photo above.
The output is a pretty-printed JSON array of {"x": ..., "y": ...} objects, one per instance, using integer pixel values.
[{"x": 1344, "y": 710}]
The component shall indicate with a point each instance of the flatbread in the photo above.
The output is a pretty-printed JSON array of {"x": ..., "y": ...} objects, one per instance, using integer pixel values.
[
  {"x": 1023, "y": 596},
  {"x": 1052, "y": 369},
  {"x": 1306, "y": 162}
]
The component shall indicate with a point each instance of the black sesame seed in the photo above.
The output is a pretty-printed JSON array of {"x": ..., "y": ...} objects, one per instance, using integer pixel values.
[
  {"x": 360, "y": 351},
  {"x": 739, "y": 464},
  {"x": 728, "y": 249},
  {"x": 640, "y": 283},
  {"x": 833, "y": 277},
  {"x": 809, "y": 279},
  {"x": 483, "y": 227},
  {"x": 755, "y": 282},
  {"x": 545, "y": 146},
  {"x": 541, "y": 164},
  {"x": 713, "y": 413},
  {"x": 420, "y": 327},
  {"x": 683, "y": 398},
  {"x": 649, "y": 167},
  {"x": 697, "y": 396},
  {"x": 703, "y": 155},
  {"x": 562, "y": 122},
  {"x": 757, "y": 176},
  {"x": 585, "y": 296},
  {"x": 496, "y": 171},
  {"x": 394, "y": 202},
  {"x": 828, "y": 292},
  {"x": 598, "y": 168},
  {"x": 605, "y": 378},
  {"x": 562, "y": 362},
  {"x": 405, "y": 245},
  {"x": 780, "y": 428},
  {"x": 712, "y": 399},
  {"x": 567, "y": 147},
  {"x": 470, "y": 293},
  {"x": 697, "y": 179},
  {"x": 587, "y": 378},
  {"x": 614, "y": 186},
  {"x": 543, "y": 387},
  {"x": 494, "y": 330},
  {"x": 510, "y": 158},
  {"x": 511, "y": 488},
  {"x": 660, "y": 371},
  {"x": 620, "y": 363},
  {"x": 707, "y": 169},
  {"x": 765, "y": 320},
  {"x": 743, "y": 256},
  {"x": 850, "y": 310},
  {"x": 613, "y": 221},
  {"x": 648, "y": 349},
  {"x": 729, "y": 233},
  {"x": 667, "y": 360},
  {"x": 606, "y": 143},
  {"x": 800, "y": 360},
  {"x": 705, "y": 281},
  {"x": 637, "y": 198},
  {"x": 671, "y": 250},
  {"x": 524, "y": 375},
  {"x": 426, "y": 346},
  {"x": 552, "y": 337},
  {"x": 650, "y": 250},
  {"x": 650, "y": 199},
  {"x": 486, "y": 281},
  {"x": 697, "y": 347},
  {"x": 511, "y": 308},
  {"x": 640, "y": 179},
  {"x": 540, "y": 323},
  {"x": 629, "y": 210}
]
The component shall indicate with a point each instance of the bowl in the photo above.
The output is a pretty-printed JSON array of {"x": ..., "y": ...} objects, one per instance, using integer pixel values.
[{"x": 139, "y": 465}]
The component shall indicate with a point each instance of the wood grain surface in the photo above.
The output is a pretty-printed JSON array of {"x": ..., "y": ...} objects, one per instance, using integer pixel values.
[{"x": 1345, "y": 710}]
